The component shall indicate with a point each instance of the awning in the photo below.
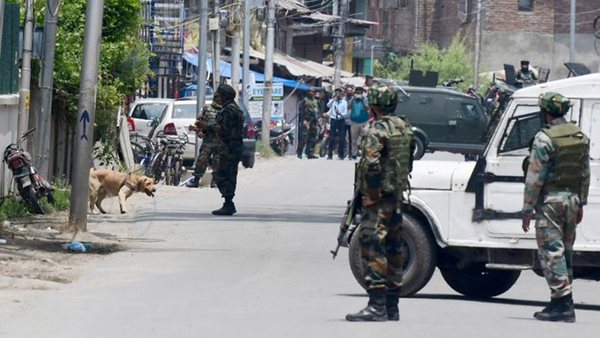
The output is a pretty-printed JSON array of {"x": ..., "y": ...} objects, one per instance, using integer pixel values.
[
  {"x": 226, "y": 72},
  {"x": 298, "y": 66}
]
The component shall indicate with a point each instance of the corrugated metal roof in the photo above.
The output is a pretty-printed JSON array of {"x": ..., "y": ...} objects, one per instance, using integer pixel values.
[
  {"x": 318, "y": 16},
  {"x": 300, "y": 67},
  {"x": 292, "y": 5}
]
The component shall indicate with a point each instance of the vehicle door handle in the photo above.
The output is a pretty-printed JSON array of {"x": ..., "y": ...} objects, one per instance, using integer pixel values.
[{"x": 451, "y": 122}]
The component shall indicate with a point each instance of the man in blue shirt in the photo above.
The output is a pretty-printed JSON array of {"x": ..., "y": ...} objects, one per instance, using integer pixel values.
[
  {"x": 359, "y": 116},
  {"x": 338, "y": 110}
]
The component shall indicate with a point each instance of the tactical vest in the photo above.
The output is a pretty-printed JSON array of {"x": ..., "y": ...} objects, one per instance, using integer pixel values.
[
  {"x": 396, "y": 156},
  {"x": 209, "y": 114},
  {"x": 566, "y": 164}
]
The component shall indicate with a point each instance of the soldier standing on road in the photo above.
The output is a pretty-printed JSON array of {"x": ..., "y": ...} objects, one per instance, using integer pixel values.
[
  {"x": 556, "y": 187},
  {"x": 211, "y": 144},
  {"x": 310, "y": 107},
  {"x": 382, "y": 178},
  {"x": 229, "y": 128}
]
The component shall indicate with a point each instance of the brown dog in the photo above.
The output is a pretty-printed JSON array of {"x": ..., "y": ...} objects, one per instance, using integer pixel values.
[{"x": 105, "y": 183}]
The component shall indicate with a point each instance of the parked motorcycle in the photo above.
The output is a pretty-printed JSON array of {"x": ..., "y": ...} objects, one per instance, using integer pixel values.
[
  {"x": 31, "y": 185},
  {"x": 281, "y": 135}
]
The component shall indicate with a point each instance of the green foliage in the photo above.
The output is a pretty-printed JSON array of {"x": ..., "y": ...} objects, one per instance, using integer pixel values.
[
  {"x": 265, "y": 151},
  {"x": 123, "y": 59},
  {"x": 62, "y": 199},
  {"x": 11, "y": 208},
  {"x": 451, "y": 63}
]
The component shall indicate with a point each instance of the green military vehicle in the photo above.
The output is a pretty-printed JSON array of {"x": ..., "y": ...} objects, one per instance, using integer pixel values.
[{"x": 443, "y": 120}]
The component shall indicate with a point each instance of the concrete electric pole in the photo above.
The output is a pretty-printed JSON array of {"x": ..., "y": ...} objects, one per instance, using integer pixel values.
[
  {"x": 24, "y": 91},
  {"x": 268, "y": 84},
  {"x": 44, "y": 118},
  {"x": 235, "y": 53},
  {"x": 84, "y": 137},
  {"x": 1, "y": 22},
  {"x": 246, "y": 54},
  {"x": 201, "y": 76},
  {"x": 216, "y": 34},
  {"x": 340, "y": 43},
  {"x": 572, "y": 47},
  {"x": 478, "y": 44}
]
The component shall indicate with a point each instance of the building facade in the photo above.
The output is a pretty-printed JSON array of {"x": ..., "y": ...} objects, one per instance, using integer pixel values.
[{"x": 532, "y": 29}]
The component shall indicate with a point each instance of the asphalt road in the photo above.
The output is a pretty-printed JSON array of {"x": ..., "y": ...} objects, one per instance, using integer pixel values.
[{"x": 266, "y": 272}]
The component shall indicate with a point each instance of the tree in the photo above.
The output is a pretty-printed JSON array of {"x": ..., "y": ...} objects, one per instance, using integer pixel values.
[{"x": 451, "y": 63}]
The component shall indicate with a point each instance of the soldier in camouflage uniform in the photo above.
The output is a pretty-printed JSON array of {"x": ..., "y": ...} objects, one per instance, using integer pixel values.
[
  {"x": 556, "y": 189},
  {"x": 525, "y": 77},
  {"x": 382, "y": 178},
  {"x": 229, "y": 128},
  {"x": 311, "y": 116},
  {"x": 211, "y": 144}
]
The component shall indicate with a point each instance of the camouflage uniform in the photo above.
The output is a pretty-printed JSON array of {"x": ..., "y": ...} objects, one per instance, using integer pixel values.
[
  {"x": 229, "y": 127},
  {"x": 556, "y": 187},
  {"x": 526, "y": 77},
  {"x": 211, "y": 143},
  {"x": 382, "y": 177},
  {"x": 309, "y": 136}
]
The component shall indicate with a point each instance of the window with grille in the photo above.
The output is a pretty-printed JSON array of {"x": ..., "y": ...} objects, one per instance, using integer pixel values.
[{"x": 526, "y": 5}]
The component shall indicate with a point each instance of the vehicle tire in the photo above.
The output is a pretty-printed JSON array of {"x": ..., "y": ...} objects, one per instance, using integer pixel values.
[
  {"x": 479, "y": 282},
  {"x": 419, "y": 148},
  {"x": 30, "y": 197},
  {"x": 324, "y": 147},
  {"x": 177, "y": 172},
  {"x": 50, "y": 197},
  {"x": 248, "y": 161},
  {"x": 419, "y": 251}
]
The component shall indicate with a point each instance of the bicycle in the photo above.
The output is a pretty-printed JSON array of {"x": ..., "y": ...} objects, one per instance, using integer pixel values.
[
  {"x": 169, "y": 159},
  {"x": 144, "y": 151}
]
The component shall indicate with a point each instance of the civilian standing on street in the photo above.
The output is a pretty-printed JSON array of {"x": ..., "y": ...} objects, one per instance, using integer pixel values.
[
  {"x": 338, "y": 109},
  {"x": 557, "y": 181},
  {"x": 359, "y": 116},
  {"x": 348, "y": 133},
  {"x": 229, "y": 127}
]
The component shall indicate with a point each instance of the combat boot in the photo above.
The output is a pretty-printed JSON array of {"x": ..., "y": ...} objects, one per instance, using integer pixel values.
[
  {"x": 194, "y": 182},
  {"x": 559, "y": 310},
  {"x": 375, "y": 311},
  {"x": 391, "y": 306},
  {"x": 227, "y": 209},
  {"x": 312, "y": 156}
]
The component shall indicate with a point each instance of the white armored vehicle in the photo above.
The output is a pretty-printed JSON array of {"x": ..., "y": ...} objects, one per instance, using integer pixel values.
[{"x": 465, "y": 217}]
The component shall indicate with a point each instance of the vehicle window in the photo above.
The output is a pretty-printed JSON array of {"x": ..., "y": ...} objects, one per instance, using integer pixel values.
[
  {"x": 469, "y": 111},
  {"x": 595, "y": 136},
  {"x": 184, "y": 111},
  {"x": 148, "y": 111},
  {"x": 521, "y": 131}
]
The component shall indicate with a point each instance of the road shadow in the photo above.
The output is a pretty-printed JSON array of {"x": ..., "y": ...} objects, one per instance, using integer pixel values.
[
  {"x": 241, "y": 217},
  {"x": 505, "y": 301}
]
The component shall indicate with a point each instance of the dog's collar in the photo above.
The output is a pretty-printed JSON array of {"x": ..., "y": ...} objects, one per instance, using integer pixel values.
[{"x": 127, "y": 184}]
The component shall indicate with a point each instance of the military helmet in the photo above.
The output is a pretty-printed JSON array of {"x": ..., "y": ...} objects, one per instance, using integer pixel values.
[
  {"x": 383, "y": 96},
  {"x": 553, "y": 103}
]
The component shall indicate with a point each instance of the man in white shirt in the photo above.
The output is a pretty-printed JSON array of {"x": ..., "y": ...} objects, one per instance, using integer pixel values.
[{"x": 338, "y": 111}]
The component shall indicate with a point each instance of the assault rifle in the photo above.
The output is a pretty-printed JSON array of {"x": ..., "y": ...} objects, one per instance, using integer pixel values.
[{"x": 348, "y": 224}]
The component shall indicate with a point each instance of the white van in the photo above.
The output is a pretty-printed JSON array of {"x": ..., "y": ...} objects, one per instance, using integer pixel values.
[{"x": 465, "y": 217}]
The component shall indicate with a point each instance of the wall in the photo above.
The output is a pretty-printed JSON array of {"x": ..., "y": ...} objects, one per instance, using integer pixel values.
[{"x": 9, "y": 107}]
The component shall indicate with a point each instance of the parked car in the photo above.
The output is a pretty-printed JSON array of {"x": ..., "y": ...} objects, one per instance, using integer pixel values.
[
  {"x": 465, "y": 219},
  {"x": 143, "y": 111},
  {"x": 443, "y": 119}
]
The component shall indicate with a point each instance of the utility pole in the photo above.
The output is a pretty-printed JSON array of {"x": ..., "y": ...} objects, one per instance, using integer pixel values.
[
  {"x": 340, "y": 44},
  {"x": 268, "y": 84},
  {"x": 216, "y": 46},
  {"x": 44, "y": 118},
  {"x": 235, "y": 56},
  {"x": 24, "y": 91},
  {"x": 201, "y": 76},
  {"x": 572, "y": 48},
  {"x": 478, "y": 44},
  {"x": 246, "y": 54},
  {"x": 84, "y": 137},
  {"x": 1, "y": 22}
]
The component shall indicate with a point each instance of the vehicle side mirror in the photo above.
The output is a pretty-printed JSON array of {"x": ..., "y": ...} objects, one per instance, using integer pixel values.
[{"x": 154, "y": 122}]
